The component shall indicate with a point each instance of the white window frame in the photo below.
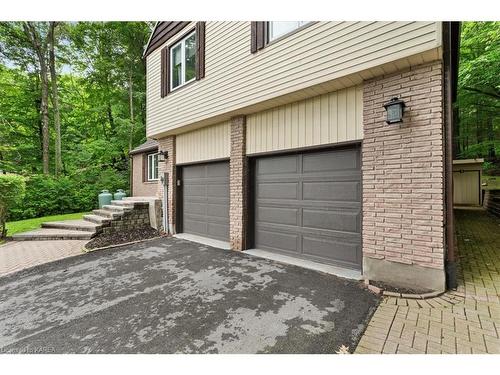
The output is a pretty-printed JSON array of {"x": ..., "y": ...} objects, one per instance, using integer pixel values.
[
  {"x": 270, "y": 27},
  {"x": 152, "y": 166},
  {"x": 182, "y": 43}
]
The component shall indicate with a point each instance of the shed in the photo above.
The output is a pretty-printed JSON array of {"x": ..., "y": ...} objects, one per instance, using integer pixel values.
[{"x": 467, "y": 175}]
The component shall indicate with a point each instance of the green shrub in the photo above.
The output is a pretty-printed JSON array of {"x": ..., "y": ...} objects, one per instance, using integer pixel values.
[
  {"x": 12, "y": 189},
  {"x": 49, "y": 195}
]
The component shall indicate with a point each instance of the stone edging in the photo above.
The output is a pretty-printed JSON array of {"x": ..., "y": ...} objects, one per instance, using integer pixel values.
[
  {"x": 85, "y": 250},
  {"x": 378, "y": 290},
  {"x": 444, "y": 299}
]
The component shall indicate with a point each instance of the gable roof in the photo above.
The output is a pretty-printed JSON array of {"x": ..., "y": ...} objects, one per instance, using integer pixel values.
[
  {"x": 149, "y": 145},
  {"x": 163, "y": 31}
]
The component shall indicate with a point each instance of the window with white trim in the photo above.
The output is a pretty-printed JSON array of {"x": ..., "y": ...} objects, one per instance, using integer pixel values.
[
  {"x": 152, "y": 167},
  {"x": 277, "y": 29},
  {"x": 183, "y": 61}
]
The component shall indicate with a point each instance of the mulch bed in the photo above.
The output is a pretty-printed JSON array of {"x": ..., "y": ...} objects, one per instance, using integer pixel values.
[
  {"x": 108, "y": 239},
  {"x": 394, "y": 289}
]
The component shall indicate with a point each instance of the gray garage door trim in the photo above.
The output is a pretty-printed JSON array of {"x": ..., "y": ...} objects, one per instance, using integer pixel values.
[
  {"x": 308, "y": 205},
  {"x": 204, "y": 196}
]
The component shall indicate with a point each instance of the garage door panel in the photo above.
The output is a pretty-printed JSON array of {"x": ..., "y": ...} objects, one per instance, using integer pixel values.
[
  {"x": 331, "y": 220},
  {"x": 217, "y": 170},
  {"x": 218, "y": 190},
  {"x": 193, "y": 172},
  {"x": 310, "y": 207},
  {"x": 277, "y": 165},
  {"x": 280, "y": 190},
  {"x": 324, "y": 248},
  {"x": 205, "y": 196},
  {"x": 194, "y": 209},
  {"x": 216, "y": 230},
  {"x": 275, "y": 215},
  {"x": 275, "y": 240},
  {"x": 347, "y": 191},
  {"x": 322, "y": 162},
  {"x": 195, "y": 226},
  {"x": 218, "y": 211},
  {"x": 194, "y": 190}
]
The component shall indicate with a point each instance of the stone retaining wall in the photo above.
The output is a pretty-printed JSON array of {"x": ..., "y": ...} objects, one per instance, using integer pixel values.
[
  {"x": 492, "y": 201},
  {"x": 133, "y": 219}
]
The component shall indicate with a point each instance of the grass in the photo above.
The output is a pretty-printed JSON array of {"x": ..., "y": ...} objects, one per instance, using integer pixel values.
[
  {"x": 492, "y": 181},
  {"x": 14, "y": 227}
]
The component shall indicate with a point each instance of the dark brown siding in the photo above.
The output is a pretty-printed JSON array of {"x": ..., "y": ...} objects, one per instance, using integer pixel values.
[
  {"x": 165, "y": 64},
  {"x": 144, "y": 167},
  {"x": 258, "y": 35},
  {"x": 200, "y": 50},
  {"x": 164, "y": 31}
]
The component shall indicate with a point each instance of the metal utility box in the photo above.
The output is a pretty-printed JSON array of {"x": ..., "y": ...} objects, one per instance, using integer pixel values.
[{"x": 467, "y": 182}]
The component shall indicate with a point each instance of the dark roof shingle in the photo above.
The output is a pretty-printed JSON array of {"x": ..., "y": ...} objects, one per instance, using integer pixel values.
[{"x": 149, "y": 145}]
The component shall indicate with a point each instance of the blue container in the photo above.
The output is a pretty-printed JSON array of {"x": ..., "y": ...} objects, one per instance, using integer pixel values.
[
  {"x": 105, "y": 198},
  {"x": 119, "y": 195}
]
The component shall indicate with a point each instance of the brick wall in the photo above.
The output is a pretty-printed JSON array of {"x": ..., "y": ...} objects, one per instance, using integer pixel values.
[
  {"x": 141, "y": 188},
  {"x": 403, "y": 169},
  {"x": 133, "y": 219},
  {"x": 168, "y": 144},
  {"x": 238, "y": 184}
]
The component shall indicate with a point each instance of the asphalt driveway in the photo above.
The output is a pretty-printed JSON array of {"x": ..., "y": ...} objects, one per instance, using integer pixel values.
[{"x": 175, "y": 296}]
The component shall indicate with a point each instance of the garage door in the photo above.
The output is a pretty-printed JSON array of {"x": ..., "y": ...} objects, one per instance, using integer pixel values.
[
  {"x": 309, "y": 205},
  {"x": 205, "y": 200}
]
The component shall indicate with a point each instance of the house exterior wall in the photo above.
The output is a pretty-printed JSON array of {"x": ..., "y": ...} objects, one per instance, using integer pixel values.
[
  {"x": 168, "y": 144},
  {"x": 324, "y": 119},
  {"x": 209, "y": 143},
  {"x": 403, "y": 175},
  {"x": 307, "y": 61},
  {"x": 321, "y": 86},
  {"x": 141, "y": 188}
]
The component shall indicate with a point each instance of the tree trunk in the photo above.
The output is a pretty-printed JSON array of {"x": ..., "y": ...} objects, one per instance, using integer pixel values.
[
  {"x": 55, "y": 98},
  {"x": 40, "y": 49},
  {"x": 131, "y": 107}
]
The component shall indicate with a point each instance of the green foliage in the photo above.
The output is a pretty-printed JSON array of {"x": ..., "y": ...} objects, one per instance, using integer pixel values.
[
  {"x": 48, "y": 195},
  {"x": 12, "y": 188},
  {"x": 478, "y": 133},
  {"x": 100, "y": 72}
]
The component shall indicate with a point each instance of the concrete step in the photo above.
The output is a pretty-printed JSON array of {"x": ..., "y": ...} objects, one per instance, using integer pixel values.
[
  {"x": 96, "y": 219},
  {"x": 107, "y": 213},
  {"x": 123, "y": 203},
  {"x": 82, "y": 225},
  {"x": 119, "y": 209},
  {"x": 53, "y": 234}
]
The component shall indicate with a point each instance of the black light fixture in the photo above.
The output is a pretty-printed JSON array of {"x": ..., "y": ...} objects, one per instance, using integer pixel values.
[
  {"x": 162, "y": 156},
  {"x": 395, "y": 109}
]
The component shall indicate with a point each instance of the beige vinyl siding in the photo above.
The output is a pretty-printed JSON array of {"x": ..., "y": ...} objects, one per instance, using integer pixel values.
[
  {"x": 324, "y": 119},
  {"x": 212, "y": 142},
  {"x": 312, "y": 58}
]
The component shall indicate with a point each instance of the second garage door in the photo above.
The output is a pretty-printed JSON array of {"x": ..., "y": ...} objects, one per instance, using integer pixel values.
[
  {"x": 309, "y": 205},
  {"x": 205, "y": 200}
]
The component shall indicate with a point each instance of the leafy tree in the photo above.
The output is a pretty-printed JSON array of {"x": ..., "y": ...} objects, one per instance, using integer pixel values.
[
  {"x": 96, "y": 107},
  {"x": 12, "y": 187},
  {"x": 478, "y": 133}
]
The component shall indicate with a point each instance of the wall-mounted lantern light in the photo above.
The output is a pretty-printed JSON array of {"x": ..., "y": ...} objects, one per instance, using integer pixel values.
[
  {"x": 395, "y": 109},
  {"x": 162, "y": 156}
]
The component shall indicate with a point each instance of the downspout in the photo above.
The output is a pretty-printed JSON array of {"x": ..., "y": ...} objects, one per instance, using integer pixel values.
[{"x": 450, "y": 57}]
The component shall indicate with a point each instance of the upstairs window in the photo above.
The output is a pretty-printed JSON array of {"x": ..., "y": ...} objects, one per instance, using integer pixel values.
[
  {"x": 183, "y": 62},
  {"x": 264, "y": 32},
  {"x": 152, "y": 167},
  {"x": 277, "y": 29}
]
